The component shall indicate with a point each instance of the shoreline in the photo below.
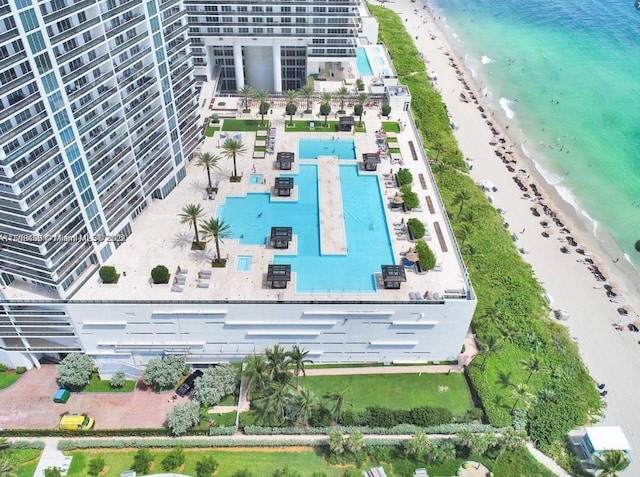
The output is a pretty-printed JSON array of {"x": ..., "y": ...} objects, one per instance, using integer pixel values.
[{"x": 569, "y": 284}]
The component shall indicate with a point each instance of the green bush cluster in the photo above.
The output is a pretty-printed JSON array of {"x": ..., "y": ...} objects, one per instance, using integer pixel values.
[
  {"x": 426, "y": 257},
  {"x": 404, "y": 177},
  {"x": 21, "y": 370},
  {"x": 510, "y": 304},
  {"x": 108, "y": 274},
  {"x": 27, "y": 444},
  {"x": 409, "y": 197},
  {"x": 377, "y": 416},
  {"x": 160, "y": 274},
  {"x": 74, "y": 444},
  {"x": 400, "y": 429},
  {"x": 3, "y": 368},
  {"x": 416, "y": 228}
]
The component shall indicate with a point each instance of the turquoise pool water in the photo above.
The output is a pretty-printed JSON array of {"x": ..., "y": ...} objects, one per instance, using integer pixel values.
[
  {"x": 244, "y": 263},
  {"x": 255, "y": 178},
  {"x": 312, "y": 148},
  {"x": 368, "y": 243},
  {"x": 362, "y": 62}
]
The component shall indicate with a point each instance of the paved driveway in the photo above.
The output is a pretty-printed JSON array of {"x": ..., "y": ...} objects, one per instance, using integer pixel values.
[{"x": 28, "y": 404}]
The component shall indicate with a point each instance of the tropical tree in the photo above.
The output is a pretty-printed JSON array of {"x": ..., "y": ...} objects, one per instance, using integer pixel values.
[
  {"x": 325, "y": 106},
  {"x": 95, "y": 466},
  {"x": 246, "y": 93},
  {"x": 163, "y": 373},
  {"x": 118, "y": 379},
  {"x": 215, "y": 384},
  {"x": 342, "y": 94},
  {"x": 417, "y": 445},
  {"x": 217, "y": 229},
  {"x": 277, "y": 401},
  {"x": 461, "y": 198},
  {"x": 291, "y": 96},
  {"x": 8, "y": 468},
  {"x": 206, "y": 466},
  {"x": 183, "y": 417},
  {"x": 142, "y": 461},
  {"x": 277, "y": 363},
  {"x": 232, "y": 148},
  {"x": 520, "y": 392},
  {"x": 492, "y": 344},
  {"x": 464, "y": 230},
  {"x": 358, "y": 109},
  {"x": 336, "y": 442},
  {"x": 208, "y": 161},
  {"x": 255, "y": 374},
  {"x": 75, "y": 370},
  {"x": 355, "y": 442},
  {"x": 338, "y": 404},
  {"x": 298, "y": 357},
  {"x": 533, "y": 364},
  {"x": 610, "y": 462},
  {"x": 305, "y": 402},
  {"x": 307, "y": 92},
  {"x": 190, "y": 214},
  {"x": 510, "y": 440},
  {"x": 263, "y": 104}
]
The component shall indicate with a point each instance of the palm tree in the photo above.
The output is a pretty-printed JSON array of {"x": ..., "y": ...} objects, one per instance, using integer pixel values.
[
  {"x": 246, "y": 93},
  {"x": 520, "y": 393},
  {"x": 8, "y": 468},
  {"x": 277, "y": 363},
  {"x": 464, "y": 230},
  {"x": 307, "y": 92},
  {"x": 298, "y": 357},
  {"x": 232, "y": 148},
  {"x": 278, "y": 400},
  {"x": 190, "y": 214},
  {"x": 469, "y": 217},
  {"x": 511, "y": 440},
  {"x": 325, "y": 106},
  {"x": 461, "y": 197},
  {"x": 359, "y": 107},
  {"x": 262, "y": 98},
  {"x": 339, "y": 403},
  {"x": 291, "y": 96},
  {"x": 342, "y": 94},
  {"x": 533, "y": 364},
  {"x": 217, "y": 229},
  {"x": 255, "y": 374},
  {"x": 306, "y": 403},
  {"x": 487, "y": 347},
  {"x": 208, "y": 161},
  {"x": 610, "y": 462}
]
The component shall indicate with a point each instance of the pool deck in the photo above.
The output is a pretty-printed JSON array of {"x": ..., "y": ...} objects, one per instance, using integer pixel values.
[
  {"x": 333, "y": 240},
  {"x": 159, "y": 238}
]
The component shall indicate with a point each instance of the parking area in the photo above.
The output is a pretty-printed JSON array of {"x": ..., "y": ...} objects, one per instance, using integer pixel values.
[{"x": 28, "y": 404}]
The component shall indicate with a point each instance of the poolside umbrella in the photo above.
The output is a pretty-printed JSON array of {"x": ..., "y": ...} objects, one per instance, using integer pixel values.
[
  {"x": 412, "y": 256},
  {"x": 397, "y": 200}
]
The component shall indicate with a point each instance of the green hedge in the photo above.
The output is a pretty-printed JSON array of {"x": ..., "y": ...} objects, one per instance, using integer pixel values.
[
  {"x": 510, "y": 303},
  {"x": 402, "y": 429},
  {"x": 185, "y": 443}
]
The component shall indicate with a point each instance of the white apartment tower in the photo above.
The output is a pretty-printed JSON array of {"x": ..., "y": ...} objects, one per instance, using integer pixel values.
[
  {"x": 271, "y": 45},
  {"x": 97, "y": 117}
]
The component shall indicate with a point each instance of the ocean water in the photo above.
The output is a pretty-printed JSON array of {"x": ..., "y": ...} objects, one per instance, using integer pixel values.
[{"x": 565, "y": 76}]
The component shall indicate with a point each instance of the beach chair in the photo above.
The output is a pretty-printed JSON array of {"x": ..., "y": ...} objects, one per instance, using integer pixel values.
[{"x": 312, "y": 126}]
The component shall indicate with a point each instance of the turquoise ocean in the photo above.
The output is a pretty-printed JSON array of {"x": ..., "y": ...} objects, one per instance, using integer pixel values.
[{"x": 565, "y": 76}]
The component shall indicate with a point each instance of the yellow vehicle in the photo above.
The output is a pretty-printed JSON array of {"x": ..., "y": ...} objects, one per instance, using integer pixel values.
[{"x": 74, "y": 422}]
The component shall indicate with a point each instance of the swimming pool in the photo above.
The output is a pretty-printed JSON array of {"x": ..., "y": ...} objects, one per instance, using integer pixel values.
[
  {"x": 256, "y": 178},
  {"x": 312, "y": 148},
  {"x": 362, "y": 62},
  {"x": 368, "y": 243},
  {"x": 244, "y": 263}
]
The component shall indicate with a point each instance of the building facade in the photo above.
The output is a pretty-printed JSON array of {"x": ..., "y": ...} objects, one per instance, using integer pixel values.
[
  {"x": 271, "y": 45},
  {"x": 97, "y": 117}
]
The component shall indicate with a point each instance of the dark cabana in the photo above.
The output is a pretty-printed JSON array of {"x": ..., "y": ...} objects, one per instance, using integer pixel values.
[
  {"x": 281, "y": 236},
  {"x": 278, "y": 275},
  {"x": 283, "y": 186},
  {"x": 284, "y": 160},
  {"x": 346, "y": 123},
  {"x": 371, "y": 161},
  {"x": 392, "y": 276}
]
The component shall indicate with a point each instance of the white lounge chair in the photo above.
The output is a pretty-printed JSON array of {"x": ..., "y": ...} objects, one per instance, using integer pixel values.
[{"x": 312, "y": 126}]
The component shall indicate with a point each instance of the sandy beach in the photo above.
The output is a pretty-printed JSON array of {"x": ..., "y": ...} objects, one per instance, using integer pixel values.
[{"x": 611, "y": 356}]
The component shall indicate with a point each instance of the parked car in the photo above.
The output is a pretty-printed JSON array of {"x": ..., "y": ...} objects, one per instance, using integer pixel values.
[
  {"x": 633, "y": 327},
  {"x": 187, "y": 386}
]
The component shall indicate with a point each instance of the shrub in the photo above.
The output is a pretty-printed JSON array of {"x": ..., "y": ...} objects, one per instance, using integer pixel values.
[
  {"x": 75, "y": 370},
  {"x": 183, "y": 417},
  {"x": 386, "y": 110},
  {"x": 118, "y": 379},
  {"x": 95, "y": 466},
  {"x": 358, "y": 109},
  {"x": 360, "y": 84},
  {"x": 207, "y": 466},
  {"x": 108, "y": 274},
  {"x": 409, "y": 197},
  {"x": 160, "y": 274},
  {"x": 21, "y": 370},
  {"x": 173, "y": 459},
  {"x": 52, "y": 472},
  {"x": 3, "y": 368},
  {"x": 416, "y": 228},
  {"x": 214, "y": 118},
  {"x": 427, "y": 259},
  {"x": 405, "y": 177},
  {"x": 142, "y": 461}
]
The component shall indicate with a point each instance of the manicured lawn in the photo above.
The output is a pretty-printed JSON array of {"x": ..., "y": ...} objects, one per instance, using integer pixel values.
[
  {"x": 27, "y": 460},
  {"x": 397, "y": 391},
  {"x": 262, "y": 462},
  {"x": 391, "y": 126},
  {"x": 97, "y": 385},
  {"x": 8, "y": 378},
  {"x": 211, "y": 130},
  {"x": 243, "y": 125}
]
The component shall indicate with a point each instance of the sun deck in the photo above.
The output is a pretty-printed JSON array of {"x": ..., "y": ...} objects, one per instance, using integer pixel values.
[{"x": 158, "y": 238}]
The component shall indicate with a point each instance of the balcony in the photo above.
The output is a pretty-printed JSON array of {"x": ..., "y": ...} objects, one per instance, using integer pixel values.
[
  {"x": 15, "y": 107},
  {"x": 75, "y": 30},
  {"x": 75, "y": 92},
  {"x": 80, "y": 49},
  {"x": 123, "y": 208},
  {"x": 129, "y": 61},
  {"x": 85, "y": 68},
  {"x": 16, "y": 83},
  {"x": 124, "y": 24},
  {"x": 122, "y": 7},
  {"x": 66, "y": 11},
  {"x": 159, "y": 176},
  {"x": 104, "y": 95},
  {"x": 14, "y": 58},
  {"x": 129, "y": 43},
  {"x": 105, "y": 164},
  {"x": 174, "y": 31},
  {"x": 95, "y": 140}
]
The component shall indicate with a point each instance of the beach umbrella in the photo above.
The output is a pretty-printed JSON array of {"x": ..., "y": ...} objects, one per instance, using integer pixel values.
[
  {"x": 397, "y": 200},
  {"x": 412, "y": 256},
  {"x": 638, "y": 246}
]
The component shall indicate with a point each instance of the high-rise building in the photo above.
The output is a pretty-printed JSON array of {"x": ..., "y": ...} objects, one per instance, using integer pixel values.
[
  {"x": 271, "y": 45},
  {"x": 98, "y": 116}
]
